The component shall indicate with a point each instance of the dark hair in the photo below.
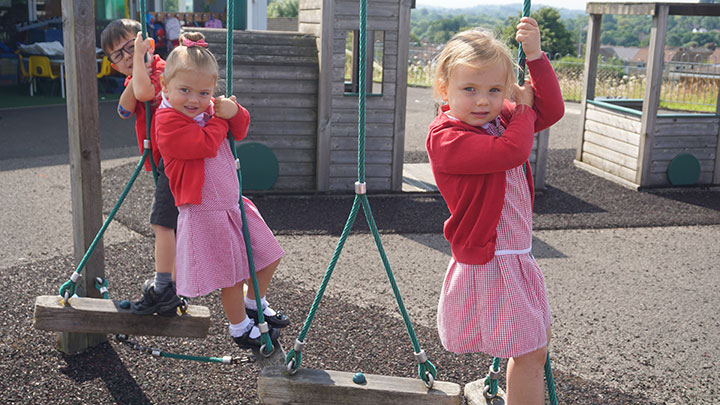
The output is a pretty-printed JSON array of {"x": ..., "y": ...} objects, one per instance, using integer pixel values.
[{"x": 116, "y": 31}]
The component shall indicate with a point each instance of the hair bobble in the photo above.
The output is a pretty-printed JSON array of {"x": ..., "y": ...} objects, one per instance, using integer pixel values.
[{"x": 190, "y": 43}]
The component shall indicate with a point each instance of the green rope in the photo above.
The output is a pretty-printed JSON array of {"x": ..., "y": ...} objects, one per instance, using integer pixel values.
[
  {"x": 265, "y": 336},
  {"x": 426, "y": 370},
  {"x": 148, "y": 116},
  {"x": 70, "y": 286},
  {"x": 496, "y": 361}
]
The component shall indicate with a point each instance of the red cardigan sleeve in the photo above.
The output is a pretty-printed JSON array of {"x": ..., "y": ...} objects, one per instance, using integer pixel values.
[
  {"x": 549, "y": 104},
  {"x": 180, "y": 137},
  {"x": 459, "y": 148}
]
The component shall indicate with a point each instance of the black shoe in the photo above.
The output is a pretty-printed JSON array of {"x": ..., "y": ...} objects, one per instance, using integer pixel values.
[
  {"x": 279, "y": 320},
  {"x": 246, "y": 342},
  {"x": 165, "y": 303}
]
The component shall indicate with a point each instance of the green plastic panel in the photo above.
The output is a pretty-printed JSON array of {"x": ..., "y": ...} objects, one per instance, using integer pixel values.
[
  {"x": 683, "y": 170},
  {"x": 258, "y": 165}
]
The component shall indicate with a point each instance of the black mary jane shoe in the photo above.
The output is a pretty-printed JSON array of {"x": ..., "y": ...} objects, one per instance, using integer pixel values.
[
  {"x": 279, "y": 320},
  {"x": 246, "y": 342}
]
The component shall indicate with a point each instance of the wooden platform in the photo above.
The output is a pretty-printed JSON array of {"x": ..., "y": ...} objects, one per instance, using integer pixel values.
[
  {"x": 92, "y": 315},
  {"x": 309, "y": 386}
]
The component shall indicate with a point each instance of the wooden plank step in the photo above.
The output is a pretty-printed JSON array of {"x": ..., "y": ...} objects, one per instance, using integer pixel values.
[
  {"x": 474, "y": 394},
  {"x": 310, "y": 386},
  {"x": 94, "y": 315}
]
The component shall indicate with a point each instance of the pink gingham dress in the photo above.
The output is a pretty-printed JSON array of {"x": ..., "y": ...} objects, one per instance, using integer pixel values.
[
  {"x": 500, "y": 307},
  {"x": 210, "y": 245}
]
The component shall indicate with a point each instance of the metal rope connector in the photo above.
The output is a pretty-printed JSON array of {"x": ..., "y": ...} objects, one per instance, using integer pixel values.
[
  {"x": 146, "y": 144},
  {"x": 237, "y": 163},
  {"x": 421, "y": 357},
  {"x": 264, "y": 328},
  {"x": 360, "y": 188},
  {"x": 298, "y": 346},
  {"x": 492, "y": 374}
]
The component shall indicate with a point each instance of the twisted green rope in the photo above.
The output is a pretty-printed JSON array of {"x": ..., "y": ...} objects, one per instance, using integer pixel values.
[
  {"x": 70, "y": 286},
  {"x": 148, "y": 116},
  {"x": 426, "y": 370},
  {"x": 550, "y": 382},
  {"x": 264, "y": 337}
]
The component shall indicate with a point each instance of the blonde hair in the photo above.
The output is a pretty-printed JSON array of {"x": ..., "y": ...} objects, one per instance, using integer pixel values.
[
  {"x": 473, "y": 48},
  {"x": 194, "y": 58}
]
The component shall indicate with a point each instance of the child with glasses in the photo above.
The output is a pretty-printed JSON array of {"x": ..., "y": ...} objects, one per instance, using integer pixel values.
[{"x": 120, "y": 40}]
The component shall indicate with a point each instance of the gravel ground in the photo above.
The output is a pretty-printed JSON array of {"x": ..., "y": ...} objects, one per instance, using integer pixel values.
[
  {"x": 114, "y": 373},
  {"x": 665, "y": 355}
]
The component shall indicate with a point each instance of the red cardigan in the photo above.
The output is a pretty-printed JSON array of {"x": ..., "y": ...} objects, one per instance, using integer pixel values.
[
  {"x": 469, "y": 164},
  {"x": 158, "y": 67},
  {"x": 184, "y": 145}
]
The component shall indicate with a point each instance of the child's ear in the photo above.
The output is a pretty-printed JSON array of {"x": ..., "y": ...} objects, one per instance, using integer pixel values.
[
  {"x": 162, "y": 84},
  {"x": 442, "y": 90}
]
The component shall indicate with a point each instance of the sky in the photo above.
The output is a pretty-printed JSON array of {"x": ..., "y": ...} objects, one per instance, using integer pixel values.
[{"x": 569, "y": 4}]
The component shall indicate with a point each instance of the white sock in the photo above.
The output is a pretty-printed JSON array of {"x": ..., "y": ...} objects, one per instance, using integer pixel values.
[
  {"x": 266, "y": 308},
  {"x": 251, "y": 304},
  {"x": 239, "y": 329},
  {"x": 254, "y": 332}
]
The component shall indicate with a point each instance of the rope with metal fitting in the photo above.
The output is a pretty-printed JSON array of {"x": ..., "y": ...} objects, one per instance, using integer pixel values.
[
  {"x": 266, "y": 344},
  {"x": 69, "y": 288},
  {"x": 426, "y": 370},
  {"x": 125, "y": 340},
  {"x": 491, "y": 385}
]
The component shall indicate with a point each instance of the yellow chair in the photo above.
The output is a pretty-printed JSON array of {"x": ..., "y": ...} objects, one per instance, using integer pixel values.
[
  {"x": 39, "y": 66},
  {"x": 105, "y": 68},
  {"x": 23, "y": 71}
]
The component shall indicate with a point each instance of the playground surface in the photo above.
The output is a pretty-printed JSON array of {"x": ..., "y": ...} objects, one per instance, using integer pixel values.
[{"x": 632, "y": 280}]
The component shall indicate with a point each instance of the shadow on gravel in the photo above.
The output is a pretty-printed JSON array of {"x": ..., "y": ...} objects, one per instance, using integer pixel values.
[
  {"x": 555, "y": 201},
  {"x": 102, "y": 362}
]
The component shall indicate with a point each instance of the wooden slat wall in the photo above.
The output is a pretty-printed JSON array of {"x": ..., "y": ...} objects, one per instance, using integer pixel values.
[
  {"x": 275, "y": 76},
  {"x": 383, "y": 15},
  {"x": 697, "y": 136},
  {"x": 611, "y": 141}
]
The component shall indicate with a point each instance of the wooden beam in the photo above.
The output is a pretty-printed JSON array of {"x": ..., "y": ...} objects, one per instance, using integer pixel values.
[
  {"x": 324, "y": 96},
  {"x": 400, "y": 84},
  {"x": 543, "y": 138},
  {"x": 317, "y": 387},
  {"x": 101, "y": 316},
  {"x": 709, "y": 10},
  {"x": 592, "y": 50},
  {"x": 651, "y": 101},
  {"x": 84, "y": 152}
]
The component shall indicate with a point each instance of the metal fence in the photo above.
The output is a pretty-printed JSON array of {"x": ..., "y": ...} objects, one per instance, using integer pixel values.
[{"x": 687, "y": 85}]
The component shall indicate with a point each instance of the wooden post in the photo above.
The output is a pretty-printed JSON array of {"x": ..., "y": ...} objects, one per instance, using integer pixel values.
[
  {"x": 403, "y": 50},
  {"x": 84, "y": 145},
  {"x": 324, "y": 36},
  {"x": 716, "y": 170},
  {"x": 543, "y": 138},
  {"x": 592, "y": 50},
  {"x": 653, "y": 85}
]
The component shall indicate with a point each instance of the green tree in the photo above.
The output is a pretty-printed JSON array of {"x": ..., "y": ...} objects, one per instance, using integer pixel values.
[
  {"x": 554, "y": 36},
  {"x": 282, "y": 8}
]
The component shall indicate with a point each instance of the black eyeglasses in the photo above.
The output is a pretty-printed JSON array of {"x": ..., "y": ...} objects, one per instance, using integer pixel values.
[{"x": 128, "y": 48}]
